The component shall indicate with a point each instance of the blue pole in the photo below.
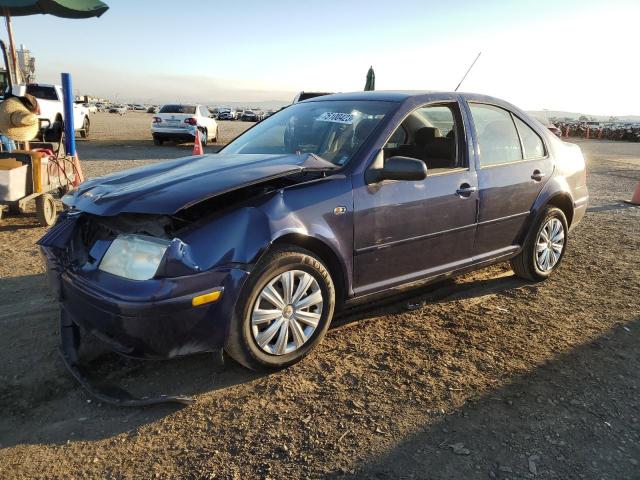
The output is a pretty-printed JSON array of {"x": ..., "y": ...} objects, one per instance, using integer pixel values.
[{"x": 69, "y": 128}]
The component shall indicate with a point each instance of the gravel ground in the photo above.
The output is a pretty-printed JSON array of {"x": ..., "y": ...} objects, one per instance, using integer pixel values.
[{"x": 491, "y": 377}]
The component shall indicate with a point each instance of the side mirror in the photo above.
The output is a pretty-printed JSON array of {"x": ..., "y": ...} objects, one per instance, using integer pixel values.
[{"x": 398, "y": 168}]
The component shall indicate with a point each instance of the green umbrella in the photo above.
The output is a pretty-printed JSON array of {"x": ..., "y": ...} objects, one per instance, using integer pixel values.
[
  {"x": 371, "y": 81},
  {"x": 58, "y": 8}
]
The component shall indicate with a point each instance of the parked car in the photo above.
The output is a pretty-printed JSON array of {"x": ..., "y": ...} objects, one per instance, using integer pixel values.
[
  {"x": 139, "y": 107},
  {"x": 330, "y": 202},
  {"x": 91, "y": 107},
  {"x": 153, "y": 109},
  {"x": 119, "y": 109},
  {"x": 249, "y": 116},
  {"x": 52, "y": 110},
  {"x": 101, "y": 107},
  {"x": 178, "y": 123},
  {"x": 225, "y": 113}
]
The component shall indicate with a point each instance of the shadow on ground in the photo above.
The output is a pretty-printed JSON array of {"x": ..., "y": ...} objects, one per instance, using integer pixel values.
[{"x": 569, "y": 418}]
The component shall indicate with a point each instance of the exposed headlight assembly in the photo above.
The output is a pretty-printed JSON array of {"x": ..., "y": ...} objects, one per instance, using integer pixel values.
[{"x": 135, "y": 257}]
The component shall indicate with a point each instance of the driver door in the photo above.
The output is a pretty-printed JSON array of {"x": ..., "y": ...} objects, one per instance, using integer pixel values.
[{"x": 408, "y": 230}]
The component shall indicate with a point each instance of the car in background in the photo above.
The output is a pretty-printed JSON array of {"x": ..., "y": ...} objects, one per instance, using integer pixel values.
[
  {"x": 139, "y": 107},
  {"x": 91, "y": 107},
  {"x": 101, "y": 107},
  {"x": 268, "y": 113},
  {"x": 119, "y": 109},
  {"x": 254, "y": 249},
  {"x": 249, "y": 116},
  {"x": 178, "y": 123},
  {"x": 225, "y": 113},
  {"x": 50, "y": 102},
  {"x": 153, "y": 109}
]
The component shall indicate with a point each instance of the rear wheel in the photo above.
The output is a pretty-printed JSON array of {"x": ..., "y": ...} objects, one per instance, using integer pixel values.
[
  {"x": 283, "y": 311},
  {"x": 157, "y": 141},
  {"x": 84, "y": 133},
  {"x": 544, "y": 247}
]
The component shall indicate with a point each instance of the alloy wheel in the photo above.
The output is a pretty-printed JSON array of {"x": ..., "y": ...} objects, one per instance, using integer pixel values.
[
  {"x": 549, "y": 245},
  {"x": 287, "y": 312}
]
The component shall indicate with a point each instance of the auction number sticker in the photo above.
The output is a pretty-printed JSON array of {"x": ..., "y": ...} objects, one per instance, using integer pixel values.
[{"x": 346, "y": 118}]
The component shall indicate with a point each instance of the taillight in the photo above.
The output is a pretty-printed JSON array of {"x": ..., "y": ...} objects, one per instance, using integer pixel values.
[
  {"x": 157, "y": 120},
  {"x": 191, "y": 121}
]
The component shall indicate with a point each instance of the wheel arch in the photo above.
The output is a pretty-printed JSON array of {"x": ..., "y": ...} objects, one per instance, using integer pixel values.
[
  {"x": 555, "y": 193},
  {"x": 325, "y": 253},
  {"x": 564, "y": 202}
]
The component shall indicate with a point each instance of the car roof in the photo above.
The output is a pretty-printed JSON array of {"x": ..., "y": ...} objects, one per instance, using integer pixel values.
[{"x": 402, "y": 95}]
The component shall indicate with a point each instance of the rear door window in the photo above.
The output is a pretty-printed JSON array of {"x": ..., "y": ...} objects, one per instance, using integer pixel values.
[
  {"x": 531, "y": 141},
  {"x": 496, "y": 134}
]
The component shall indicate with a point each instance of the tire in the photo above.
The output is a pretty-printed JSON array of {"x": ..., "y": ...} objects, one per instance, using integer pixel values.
[
  {"x": 46, "y": 209},
  {"x": 54, "y": 133},
  {"x": 529, "y": 264},
  {"x": 203, "y": 137},
  {"x": 242, "y": 342},
  {"x": 215, "y": 139},
  {"x": 157, "y": 141},
  {"x": 86, "y": 125}
]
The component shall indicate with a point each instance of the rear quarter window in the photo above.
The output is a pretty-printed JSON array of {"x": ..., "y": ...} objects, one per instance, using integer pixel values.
[{"x": 531, "y": 141}]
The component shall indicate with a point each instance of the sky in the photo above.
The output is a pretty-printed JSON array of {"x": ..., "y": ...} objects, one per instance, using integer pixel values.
[{"x": 569, "y": 55}]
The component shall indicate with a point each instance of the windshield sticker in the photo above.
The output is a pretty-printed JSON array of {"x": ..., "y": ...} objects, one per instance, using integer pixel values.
[{"x": 335, "y": 117}]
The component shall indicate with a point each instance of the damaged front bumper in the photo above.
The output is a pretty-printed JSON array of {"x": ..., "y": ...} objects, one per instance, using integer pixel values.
[{"x": 151, "y": 319}]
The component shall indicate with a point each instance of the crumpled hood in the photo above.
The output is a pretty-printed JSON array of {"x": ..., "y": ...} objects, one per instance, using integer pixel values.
[{"x": 169, "y": 186}]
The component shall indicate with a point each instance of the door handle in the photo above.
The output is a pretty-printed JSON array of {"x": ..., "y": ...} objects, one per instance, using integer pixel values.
[
  {"x": 465, "y": 190},
  {"x": 537, "y": 175}
]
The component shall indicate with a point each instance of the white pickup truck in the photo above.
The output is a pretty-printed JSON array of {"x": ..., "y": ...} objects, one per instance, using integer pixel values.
[{"x": 51, "y": 109}]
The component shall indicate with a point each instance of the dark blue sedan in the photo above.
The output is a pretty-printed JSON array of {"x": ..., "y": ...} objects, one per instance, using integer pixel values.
[{"x": 331, "y": 201}]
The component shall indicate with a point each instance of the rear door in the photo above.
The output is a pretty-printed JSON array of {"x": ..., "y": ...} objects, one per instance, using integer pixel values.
[{"x": 513, "y": 167}]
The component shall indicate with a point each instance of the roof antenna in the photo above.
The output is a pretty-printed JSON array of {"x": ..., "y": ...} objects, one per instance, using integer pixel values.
[{"x": 467, "y": 72}]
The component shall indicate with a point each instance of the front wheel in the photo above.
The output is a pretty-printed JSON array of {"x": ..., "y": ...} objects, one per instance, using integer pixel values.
[
  {"x": 543, "y": 248},
  {"x": 283, "y": 312}
]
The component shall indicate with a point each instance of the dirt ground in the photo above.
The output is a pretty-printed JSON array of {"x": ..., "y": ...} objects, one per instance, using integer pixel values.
[{"x": 490, "y": 377}]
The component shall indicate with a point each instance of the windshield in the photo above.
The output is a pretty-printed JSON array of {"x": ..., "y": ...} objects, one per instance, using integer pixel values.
[
  {"x": 188, "y": 109},
  {"x": 333, "y": 130}
]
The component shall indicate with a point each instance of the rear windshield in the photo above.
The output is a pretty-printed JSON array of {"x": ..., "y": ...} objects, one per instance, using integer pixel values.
[
  {"x": 186, "y": 109},
  {"x": 42, "y": 92}
]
